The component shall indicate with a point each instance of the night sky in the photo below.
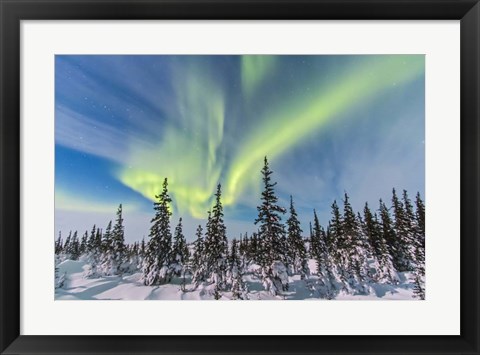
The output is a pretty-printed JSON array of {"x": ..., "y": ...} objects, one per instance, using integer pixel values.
[{"x": 328, "y": 124}]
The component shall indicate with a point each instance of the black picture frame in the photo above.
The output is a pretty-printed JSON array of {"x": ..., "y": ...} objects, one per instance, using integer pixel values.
[{"x": 12, "y": 12}]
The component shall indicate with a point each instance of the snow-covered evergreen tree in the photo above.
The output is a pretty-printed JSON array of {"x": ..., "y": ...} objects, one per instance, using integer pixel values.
[
  {"x": 336, "y": 238},
  {"x": 403, "y": 256},
  {"x": 243, "y": 250},
  {"x": 253, "y": 249},
  {"x": 296, "y": 251},
  {"x": 107, "y": 254},
  {"x": 94, "y": 253},
  {"x": 239, "y": 288},
  {"x": 271, "y": 233},
  {"x": 59, "y": 279},
  {"x": 419, "y": 287},
  {"x": 382, "y": 260},
  {"x": 216, "y": 246},
  {"x": 419, "y": 244},
  {"x": 83, "y": 243},
  {"x": 318, "y": 245},
  {"x": 180, "y": 254},
  {"x": 74, "y": 247},
  {"x": 142, "y": 247},
  {"x": 59, "y": 244},
  {"x": 310, "y": 238},
  {"x": 321, "y": 254},
  {"x": 357, "y": 250},
  {"x": 235, "y": 274},
  {"x": 156, "y": 262},
  {"x": 420, "y": 219},
  {"x": 132, "y": 255},
  {"x": 98, "y": 241},
  {"x": 92, "y": 246},
  {"x": 412, "y": 229},
  {"x": 337, "y": 244},
  {"x": 388, "y": 232},
  {"x": 118, "y": 244},
  {"x": 66, "y": 246},
  {"x": 198, "y": 257}
]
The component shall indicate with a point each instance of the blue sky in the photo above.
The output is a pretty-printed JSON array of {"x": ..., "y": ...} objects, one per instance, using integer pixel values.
[{"x": 328, "y": 124}]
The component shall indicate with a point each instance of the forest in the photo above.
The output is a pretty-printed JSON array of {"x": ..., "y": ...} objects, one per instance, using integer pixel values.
[{"x": 354, "y": 253}]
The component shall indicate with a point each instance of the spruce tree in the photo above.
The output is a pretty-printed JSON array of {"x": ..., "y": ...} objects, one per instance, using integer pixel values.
[
  {"x": 141, "y": 253},
  {"x": 296, "y": 252},
  {"x": 419, "y": 244},
  {"x": 419, "y": 288},
  {"x": 383, "y": 261},
  {"x": 83, "y": 243},
  {"x": 419, "y": 235},
  {"x": 254, "y": 249},
  {"x": 118, "y": 243},
  {"x": 94, "y": 252},
  {"x": 341, "y": 237},
  {"x": 107, "y": 245},
  {"x": 98, "y": 241},
  {"x": 239, "y": 288},
  {"x": 180, "y": 255},
  {"x": 322, "y": 258},
  {"x": 156, "y": 262},
  {"x": 388, "y": 232},
  {"x": 209, "y": 257},
  {"x": 92, "y": 241},
  {"x": 271, "y": 230},
  {"x": 59, "y": 244},
  {"x": 216, "y": 246},
  {"x": 59, "y": 279},
  {"x": 353, "y": 250},
  {"x": 74, "y": 247},
  {"x": 356, "y": 250},
  {"x": 404, "y": 254},
  {"x": 350, "y": 225},
  {"x": 420, "y": 218},
  {"x": 67, "y": 245},
  {"x": 336, "y": 238},
  {"x": 133, "y": 257},
  {"x": 355, "y": 243},
  {"x": 314, "y": 243},
  {"x": 233, "y": 256},
  {"x": 319, "y": 246},
  {"x": 198, "y": 257},
  {"x": 310, "y": 239},
  {"x": 271, "y": 234},
  {"x": 235, "y": 274},
  {"x": 412, "y": 227},
  {"x": 243, "y": 250},
  {"x": 107, "y": 258},
  {"x": 336, "y": 242},
  {"x": 373, "y": 233},
  {"x": 142, "y": 247}
]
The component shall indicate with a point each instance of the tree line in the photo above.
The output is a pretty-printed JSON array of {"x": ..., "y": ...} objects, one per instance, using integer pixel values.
[{"x": 352, "y": 251}]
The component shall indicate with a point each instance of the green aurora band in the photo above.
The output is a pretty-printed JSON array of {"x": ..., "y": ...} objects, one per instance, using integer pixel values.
[
  {"x": 255, "y": 69},
  {"x": 192, "y": 151}
]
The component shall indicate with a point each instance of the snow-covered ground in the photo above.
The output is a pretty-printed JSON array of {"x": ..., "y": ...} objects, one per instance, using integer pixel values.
[{"x": 130, "y": 287}]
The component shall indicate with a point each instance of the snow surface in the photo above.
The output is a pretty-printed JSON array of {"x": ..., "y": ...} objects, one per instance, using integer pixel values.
[{"x": 130, "y": 287}]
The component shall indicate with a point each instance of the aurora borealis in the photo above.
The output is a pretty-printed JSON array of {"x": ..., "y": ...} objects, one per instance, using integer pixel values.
[{"x": 328, "y": 124}]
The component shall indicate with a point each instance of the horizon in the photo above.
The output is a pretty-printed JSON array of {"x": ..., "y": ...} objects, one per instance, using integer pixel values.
[{"x": 191, "y": 238}]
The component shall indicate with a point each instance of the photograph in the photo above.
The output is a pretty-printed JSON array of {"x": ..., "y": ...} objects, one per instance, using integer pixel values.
[{"x": 239, "y": 177}]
